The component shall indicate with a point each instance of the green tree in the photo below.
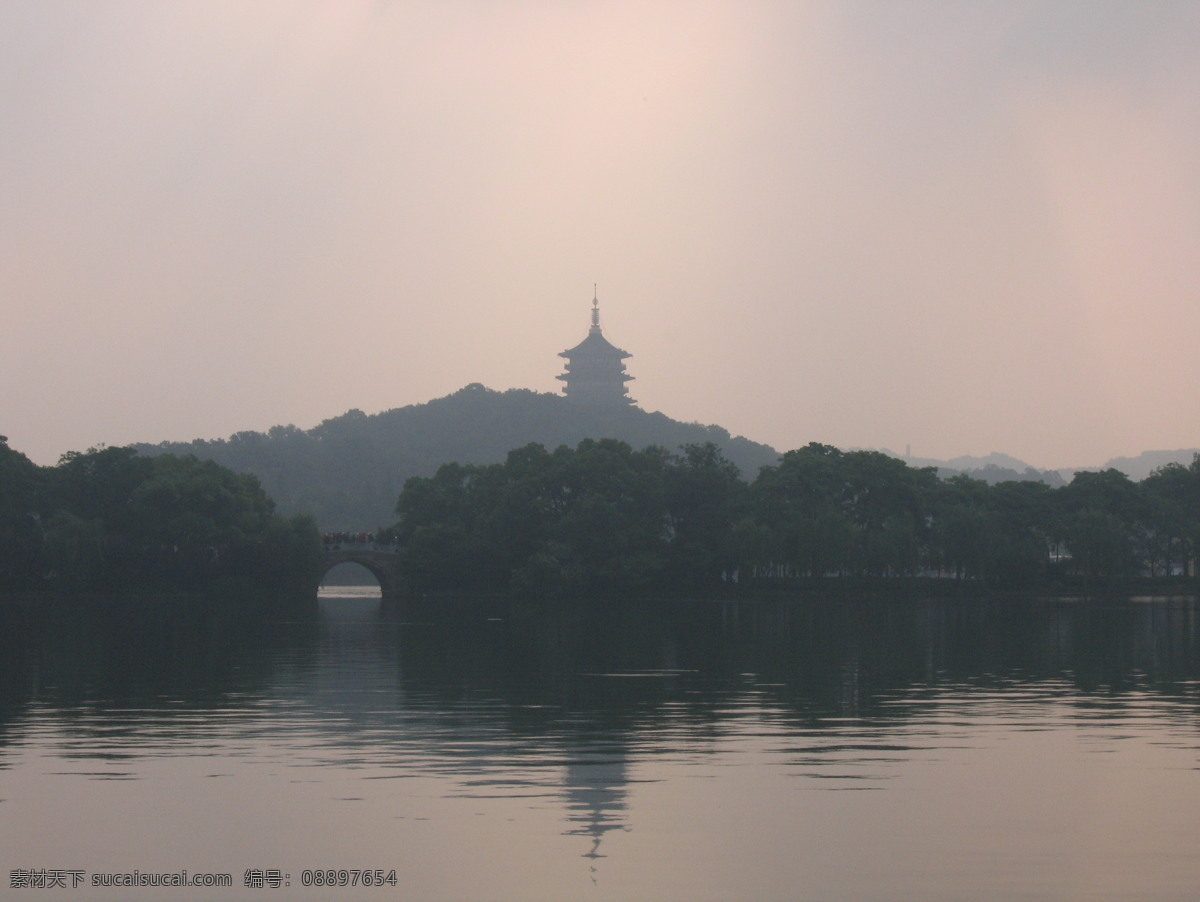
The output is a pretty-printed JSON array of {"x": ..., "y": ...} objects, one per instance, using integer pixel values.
[
  {"x": 75, "y": 551},
  {"x": 597, "y": 513},
  {"x": 21, "y": 545},
  {"x": 616, "y": 519},
  {"x": 1104, "y": 524},
  {"x": 858, "y": 511},
  {"x": 962, "y": 528},
  {"x": 192, "y": 519},
  {"x": 704, "y": 495},
  {"x": 1172, "y": 498},
  {"x": 119, "y": 520},
  {"x": 1027, "y": 524},
  {"x": 802, "y": 506}
]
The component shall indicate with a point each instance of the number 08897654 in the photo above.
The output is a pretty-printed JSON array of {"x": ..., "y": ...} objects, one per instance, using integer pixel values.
[{"x": 348, "y": 877}]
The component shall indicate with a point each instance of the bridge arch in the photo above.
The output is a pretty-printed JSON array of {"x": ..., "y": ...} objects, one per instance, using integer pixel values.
[{"x": 383, "y": 565}]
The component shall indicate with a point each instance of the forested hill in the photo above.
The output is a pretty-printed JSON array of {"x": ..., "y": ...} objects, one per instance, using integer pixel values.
[{"x": 348, "y": 471}]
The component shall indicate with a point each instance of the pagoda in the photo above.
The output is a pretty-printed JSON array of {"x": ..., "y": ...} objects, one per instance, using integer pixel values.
[{"x": 595, "y": 371}]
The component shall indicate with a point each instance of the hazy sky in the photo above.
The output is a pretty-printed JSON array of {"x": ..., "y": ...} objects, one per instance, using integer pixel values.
[{"x": 961, "y": 226}]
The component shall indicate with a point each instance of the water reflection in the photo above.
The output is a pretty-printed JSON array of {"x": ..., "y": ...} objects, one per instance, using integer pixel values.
[
  {"x": 631, "y": 672},
  {"x": 594, "y": 797},
  {"x": 587, "y": 727}
]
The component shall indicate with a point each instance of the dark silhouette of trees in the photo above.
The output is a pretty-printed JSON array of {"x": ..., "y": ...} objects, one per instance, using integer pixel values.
[
  {"x": 831, "y": 512},
  {"x": 108, "y": 519},
  {"x": 20, "y": 527},
  {"x": 593, "y": 516},
  {"x": 1104, "y": 523},
  {"x": 602, "y": 517},
  {"x": 997, "y": 533},
  {"x": 1172, "y": 516},
  {"x": 704, "y": 497}
]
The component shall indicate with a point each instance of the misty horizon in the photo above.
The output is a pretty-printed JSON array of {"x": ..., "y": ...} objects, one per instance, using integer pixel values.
[{"x": 961, "y": 229}]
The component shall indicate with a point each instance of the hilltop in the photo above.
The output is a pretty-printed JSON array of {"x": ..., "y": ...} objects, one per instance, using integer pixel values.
[
  {"x": 991, "y": 469},
  {"x": 1138, "y": 468},
  {"x": 348, "y": 471}
]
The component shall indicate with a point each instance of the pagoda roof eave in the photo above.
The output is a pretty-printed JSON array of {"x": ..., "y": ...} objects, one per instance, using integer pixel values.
[{"x": 595, "y": 343}]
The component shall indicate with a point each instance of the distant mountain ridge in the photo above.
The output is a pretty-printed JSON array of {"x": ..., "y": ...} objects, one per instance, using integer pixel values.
[
  {"x": 998, "y": 467},
  {"x": 348, "y": 471},
  {"x": 993, "y": 468},
  {"x": 1138, "y": 468}
]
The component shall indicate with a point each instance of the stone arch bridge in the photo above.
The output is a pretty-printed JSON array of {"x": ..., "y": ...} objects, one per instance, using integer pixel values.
[{"x": 382, "y": 561}]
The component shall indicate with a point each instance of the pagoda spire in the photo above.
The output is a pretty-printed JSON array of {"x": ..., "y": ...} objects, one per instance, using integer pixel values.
[{"x": 595, "y": 371}]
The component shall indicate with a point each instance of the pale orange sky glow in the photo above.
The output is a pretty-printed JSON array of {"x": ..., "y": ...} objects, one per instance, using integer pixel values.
[{"x": 961, "y": 226}]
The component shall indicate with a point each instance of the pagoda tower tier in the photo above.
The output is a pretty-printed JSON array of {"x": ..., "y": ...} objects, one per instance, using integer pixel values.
[{"x": 595, "y": 371}]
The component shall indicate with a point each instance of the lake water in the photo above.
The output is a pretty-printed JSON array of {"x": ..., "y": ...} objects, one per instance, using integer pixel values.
[{"x": 857, "y": 750}]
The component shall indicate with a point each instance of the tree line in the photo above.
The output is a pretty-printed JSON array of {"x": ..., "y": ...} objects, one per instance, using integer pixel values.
[
  {"x": 603, "y": 517},
  {"x": 599, "y": 517},
  {"x": 108, "y": 519},
  {"x": 347, "y": 471}
]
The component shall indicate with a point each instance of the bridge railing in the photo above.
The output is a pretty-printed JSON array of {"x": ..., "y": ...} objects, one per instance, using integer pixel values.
[{"x": 379, "y": 547}]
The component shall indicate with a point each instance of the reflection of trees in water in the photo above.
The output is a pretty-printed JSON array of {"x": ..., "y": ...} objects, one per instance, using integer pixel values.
[
  {"x": 570, "y": 717},
  {"x": 806, "y": 663},
  {"x": 137, "y": 651},
  {"x": 588, "y": 693},
  {"x": 842, "y": 658},
  {"x": 824, "y": 657},
  {"x": 18, "y": 668}
]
